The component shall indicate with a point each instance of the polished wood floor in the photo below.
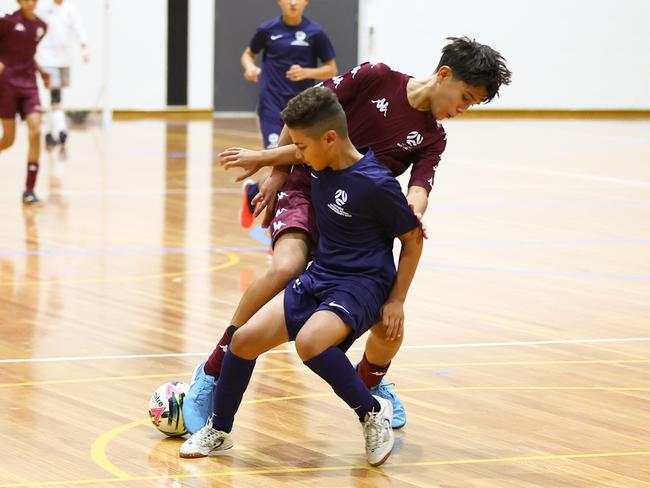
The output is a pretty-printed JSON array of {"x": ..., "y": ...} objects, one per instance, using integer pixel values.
[{"x": 527, "y": 356}]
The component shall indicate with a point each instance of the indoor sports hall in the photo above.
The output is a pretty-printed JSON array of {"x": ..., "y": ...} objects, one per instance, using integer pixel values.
[{"x": 526, "y": 353}]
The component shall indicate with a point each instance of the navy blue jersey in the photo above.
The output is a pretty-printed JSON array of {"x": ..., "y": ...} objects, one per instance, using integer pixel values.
[
  {"x": 285, "y": 45},
  {"x": 359, "y": 210}
]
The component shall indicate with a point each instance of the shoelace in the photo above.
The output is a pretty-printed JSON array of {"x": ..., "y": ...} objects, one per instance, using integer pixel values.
[
  {"x": 373, "y": 425},
  {"x": 207, "y": 434}
]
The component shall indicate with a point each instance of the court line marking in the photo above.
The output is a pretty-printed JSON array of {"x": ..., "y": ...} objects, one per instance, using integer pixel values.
[
  {"x": 547, "y": 172},
  {"x": 400, "y": 366},
  {"x": 323, "y": 469},
  {"x": 98, "y": 447},
  {"x": 534, "y": 272},
  {"x": 232, "y": 260},
  {"x": 293, "y": 351}
]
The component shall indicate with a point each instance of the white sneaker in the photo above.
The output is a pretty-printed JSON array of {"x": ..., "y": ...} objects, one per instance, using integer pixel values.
[
  {"x": 378, "y": 433},
  {"x": 206, "y": 442}
]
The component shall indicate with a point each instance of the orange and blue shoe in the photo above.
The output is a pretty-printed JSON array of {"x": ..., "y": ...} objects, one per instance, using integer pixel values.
[{"x": 250, "y": 189}]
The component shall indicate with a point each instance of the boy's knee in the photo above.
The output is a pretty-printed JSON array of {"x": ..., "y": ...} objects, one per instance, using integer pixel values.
[
  {"x": 284, "y": 272},
  {"x": 238, "y": 342},
  {"x": 307, "y": 348}
]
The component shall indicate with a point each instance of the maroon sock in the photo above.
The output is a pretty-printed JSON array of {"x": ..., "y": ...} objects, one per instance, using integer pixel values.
[
  {"x": 213, "y": 364},
  {"x": 371, "y": 374},
  {"x": 32, "y": 171}
]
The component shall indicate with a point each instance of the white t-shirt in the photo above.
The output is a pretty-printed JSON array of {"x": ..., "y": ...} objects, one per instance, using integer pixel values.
[{"x": 63, "y": 28}]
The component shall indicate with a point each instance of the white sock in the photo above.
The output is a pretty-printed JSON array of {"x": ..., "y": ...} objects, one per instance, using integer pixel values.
[{"x": 58, "y": 121}]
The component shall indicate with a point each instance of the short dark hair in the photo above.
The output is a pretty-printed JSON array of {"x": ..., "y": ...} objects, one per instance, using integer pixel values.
[
  {"x": 315, "y": 110},
  {"x": 476, "y": 64}
]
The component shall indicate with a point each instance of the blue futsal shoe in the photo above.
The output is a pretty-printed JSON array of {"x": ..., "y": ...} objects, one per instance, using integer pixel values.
[
  {"x": 385, "y": 390},
  {"x": 199, "y": 400}
]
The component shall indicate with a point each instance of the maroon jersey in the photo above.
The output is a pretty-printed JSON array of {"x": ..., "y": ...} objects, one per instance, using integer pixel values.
[
  {"x": 19, "y": 37},
  {"x": 380, "y": 117}
]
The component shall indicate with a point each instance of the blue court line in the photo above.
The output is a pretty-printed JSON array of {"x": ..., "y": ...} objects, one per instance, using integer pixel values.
[
  {"x": 129, "y": 251},
  {"x": 533, "y": 272},
  {"x": 259, "y": 234}
]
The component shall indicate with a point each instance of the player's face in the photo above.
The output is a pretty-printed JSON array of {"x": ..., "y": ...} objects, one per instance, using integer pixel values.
[
  {"x": 453, "y": 97},
  {"x": 292, "y": 9},
  {"x": 27, "y": 7},
  {"x": 313, "y": 152}
]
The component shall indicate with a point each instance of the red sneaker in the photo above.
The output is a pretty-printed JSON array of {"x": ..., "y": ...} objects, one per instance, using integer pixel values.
[{"x": 246, "y": 218}]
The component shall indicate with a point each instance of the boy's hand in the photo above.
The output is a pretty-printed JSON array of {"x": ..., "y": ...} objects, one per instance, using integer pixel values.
[
  {"x": 238, "y": 157},
  {"x": 297, "y": 73},
  {"x": 392, "y": 317},
  {"x": 251, "y": 74}
]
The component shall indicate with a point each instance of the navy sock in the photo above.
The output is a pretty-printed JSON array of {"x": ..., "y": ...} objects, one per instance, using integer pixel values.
[
  {"x": 334, "y": 367},
  {"x": 233, "y": 381}
]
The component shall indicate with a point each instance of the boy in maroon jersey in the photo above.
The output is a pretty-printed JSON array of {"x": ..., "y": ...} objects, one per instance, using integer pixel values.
[
  {"x": 397, "y": 117},
  {"x": 20, "y": 33}
]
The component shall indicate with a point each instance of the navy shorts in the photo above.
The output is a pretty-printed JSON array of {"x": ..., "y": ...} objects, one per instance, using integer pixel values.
[
  {"x": 356, "y": 301},
  {"x": 270, "y": 127}
]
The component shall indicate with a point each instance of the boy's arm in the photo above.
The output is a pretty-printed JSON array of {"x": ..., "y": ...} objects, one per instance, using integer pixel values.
[
  {"x": 251, "y": 70},
  {"x": 392, "y": 313}
]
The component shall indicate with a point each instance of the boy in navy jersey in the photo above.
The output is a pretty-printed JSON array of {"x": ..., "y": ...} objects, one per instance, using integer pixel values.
[
  {"x": 397, "y": 116},
  {"x": 292, "y": 45},
  {"x": 20, "y": 33},
  {"x": 350, "y": 285}
]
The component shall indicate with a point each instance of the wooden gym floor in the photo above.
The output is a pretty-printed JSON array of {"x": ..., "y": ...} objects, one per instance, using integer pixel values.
[{"x": 527, "y": 355}]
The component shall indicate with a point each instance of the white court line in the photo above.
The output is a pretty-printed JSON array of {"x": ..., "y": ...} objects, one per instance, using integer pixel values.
[
  {"x": 548, "y": 172},
  {"x": 292, "y": 351}
]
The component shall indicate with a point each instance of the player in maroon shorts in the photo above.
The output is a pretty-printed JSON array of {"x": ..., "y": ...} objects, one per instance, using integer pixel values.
[
  {"x": 397, "y": 117},
  {"x": 20, "y": 33}
]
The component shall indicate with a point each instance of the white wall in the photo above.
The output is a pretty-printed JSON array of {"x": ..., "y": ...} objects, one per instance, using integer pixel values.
[
  {"x": 137, "y": 71},
  {"x": 564, "y": 54}
]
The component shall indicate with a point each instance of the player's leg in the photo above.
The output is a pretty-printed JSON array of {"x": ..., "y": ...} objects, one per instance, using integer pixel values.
[
  {"x": 264, "y": 331},
  {"x": 316, "y": 344},
  {"x": 8, "y": 111},
  {"x": 33, "y": 120},
  {"x": 59, "y": 126},
  {"x": 373, "y": 366},
  {"x": 294, "y": 231},
  {"x": 289, "y": 260},
  {"x": 48, "y": 118},
  {"x": 8, "y": 133}
]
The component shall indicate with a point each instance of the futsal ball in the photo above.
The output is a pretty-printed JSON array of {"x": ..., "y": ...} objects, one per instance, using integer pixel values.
[{"x": 166, "y": 408}]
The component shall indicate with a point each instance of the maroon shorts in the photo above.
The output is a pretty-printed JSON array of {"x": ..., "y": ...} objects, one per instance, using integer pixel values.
[
  {"x": 16, "y": 100},
  {"x": 294, "y": 210}
]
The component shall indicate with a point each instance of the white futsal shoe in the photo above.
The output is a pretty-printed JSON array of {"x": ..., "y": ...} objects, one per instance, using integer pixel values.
[
  {"x": 206, "y": 442},
  {"x": 378, "y": 433}
]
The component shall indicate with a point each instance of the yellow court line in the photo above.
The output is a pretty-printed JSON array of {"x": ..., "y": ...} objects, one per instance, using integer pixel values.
[
  {"x": 233, "y": 259},
  {"x": 305, "y": 369},
  {"x": 98, "y": 448},
  {"x": 288, "y": 470}
]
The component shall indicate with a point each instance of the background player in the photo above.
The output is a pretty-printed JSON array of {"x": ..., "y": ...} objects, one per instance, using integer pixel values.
[
  {"x": 20, "y": 33},
  {"x": 360, "y": 209},
  {"x": 64, "y": 27},
  {"x": 291, "y": 45}
]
